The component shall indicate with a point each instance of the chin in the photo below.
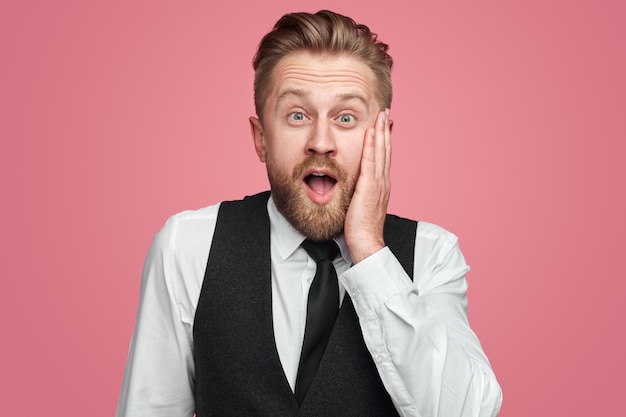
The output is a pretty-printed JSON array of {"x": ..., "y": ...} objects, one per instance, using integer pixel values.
[
  {"x": 291, "y": 195},
  {"x": 317, "y": 222}
]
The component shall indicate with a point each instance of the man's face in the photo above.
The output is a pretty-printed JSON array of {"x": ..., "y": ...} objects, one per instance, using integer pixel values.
[{"x": 315, "y": 119}]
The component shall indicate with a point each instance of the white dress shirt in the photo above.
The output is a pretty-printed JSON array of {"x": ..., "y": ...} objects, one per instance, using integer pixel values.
[{"x": 417, "y": 332}]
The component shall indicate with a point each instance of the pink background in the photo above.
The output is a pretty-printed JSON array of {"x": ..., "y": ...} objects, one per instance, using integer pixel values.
[{"x": 510, "y": 124}]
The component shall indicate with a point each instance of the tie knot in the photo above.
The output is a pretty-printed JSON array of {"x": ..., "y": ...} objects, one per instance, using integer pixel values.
[{"x": 321, "y": 251}]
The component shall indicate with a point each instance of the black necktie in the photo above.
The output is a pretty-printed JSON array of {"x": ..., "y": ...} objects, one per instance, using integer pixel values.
[{"x": 322, "y": 309}]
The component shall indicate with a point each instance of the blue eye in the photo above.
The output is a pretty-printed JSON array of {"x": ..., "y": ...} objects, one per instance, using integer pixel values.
[
  {"x": 297, "y": 116},
  {"x": 346, "y": 118}
]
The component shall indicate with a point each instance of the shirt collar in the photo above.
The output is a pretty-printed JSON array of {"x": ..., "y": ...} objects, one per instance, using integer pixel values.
[{"x": 287, "y": 239}]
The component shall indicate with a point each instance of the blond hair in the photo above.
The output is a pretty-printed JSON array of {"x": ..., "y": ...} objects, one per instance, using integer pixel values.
[{"x": 324, "y": 32}]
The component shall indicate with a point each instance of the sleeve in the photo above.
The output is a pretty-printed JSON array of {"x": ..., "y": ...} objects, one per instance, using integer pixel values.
[
  {"x": 158, "y": 380},
  {"x": 418, "y": 334}
]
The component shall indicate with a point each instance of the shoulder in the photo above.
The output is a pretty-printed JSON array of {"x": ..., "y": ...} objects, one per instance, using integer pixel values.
[
  {"x": 188, "y": 233},
  {"x": 427, "y": 235},
  {"x": 178, "y": 255},
  {"x": 192, "y": 230},
  {"x": 434, "y": 243},
  {"x": 190, "y": 222},
  {"x": 438, "y": 259},
  {"x": 432, "y": 234}
]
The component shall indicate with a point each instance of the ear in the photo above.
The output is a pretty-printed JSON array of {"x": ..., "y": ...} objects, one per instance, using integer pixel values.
[
  {"x": 390, "y": 125},
  {"x": 256, "y": 129}
]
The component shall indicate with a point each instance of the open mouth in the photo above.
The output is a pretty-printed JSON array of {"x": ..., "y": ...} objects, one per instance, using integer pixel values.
[{"x": 319, "y": 182}]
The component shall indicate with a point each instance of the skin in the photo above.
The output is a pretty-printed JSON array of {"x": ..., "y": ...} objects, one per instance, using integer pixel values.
[{"x": 325, "y": 107}]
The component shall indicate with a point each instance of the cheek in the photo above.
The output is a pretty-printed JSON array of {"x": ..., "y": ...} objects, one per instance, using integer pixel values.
[
  {"x": 353, "y": 147},
  {"x": 281, "y": 158},
  {"x": 283, "y": 154},
  {"x": 352, "y": 163},
  {"x": 355, "y": 168}
]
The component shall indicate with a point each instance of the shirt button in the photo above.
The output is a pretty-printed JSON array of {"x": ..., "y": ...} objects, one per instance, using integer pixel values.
[
  {"x": 354, "y": 293},
  {"x": 378, "y": 359}
]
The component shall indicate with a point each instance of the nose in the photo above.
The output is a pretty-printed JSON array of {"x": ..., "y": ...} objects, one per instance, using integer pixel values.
[{"x": 321, "y": 140}]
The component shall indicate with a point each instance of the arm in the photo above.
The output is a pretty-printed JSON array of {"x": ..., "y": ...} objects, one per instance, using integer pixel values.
[
  {"x": 158, "y": 380},
  {"x": 429, "y": 360}
]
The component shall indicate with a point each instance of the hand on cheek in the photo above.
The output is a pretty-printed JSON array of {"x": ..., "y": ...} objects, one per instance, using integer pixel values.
[{"x": 366, "y": 215}]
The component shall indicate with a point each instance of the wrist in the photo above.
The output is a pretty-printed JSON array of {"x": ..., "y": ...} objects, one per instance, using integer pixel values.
[{"x": 364, "y": 250}]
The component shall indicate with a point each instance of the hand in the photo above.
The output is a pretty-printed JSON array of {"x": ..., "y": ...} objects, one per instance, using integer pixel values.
[{"x": 365, "y": 218}]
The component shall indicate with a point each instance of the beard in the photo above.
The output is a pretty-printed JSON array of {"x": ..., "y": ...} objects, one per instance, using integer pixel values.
[{"x": 316, "y": 222}]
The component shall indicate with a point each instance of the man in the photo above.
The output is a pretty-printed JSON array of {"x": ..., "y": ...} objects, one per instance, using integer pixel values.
[{"x": 234, "y": 318}]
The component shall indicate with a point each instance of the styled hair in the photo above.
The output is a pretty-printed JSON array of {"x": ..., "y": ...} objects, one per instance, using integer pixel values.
[{"x": 324, "y": 32}]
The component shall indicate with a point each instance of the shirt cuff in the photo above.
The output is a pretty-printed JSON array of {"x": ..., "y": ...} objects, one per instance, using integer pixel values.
[{"x": 374, "y": 280}]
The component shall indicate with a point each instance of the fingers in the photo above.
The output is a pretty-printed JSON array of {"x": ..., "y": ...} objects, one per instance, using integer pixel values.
[
  {"x": 366, "y": 214},
  {"x": 377, "y": 146},
  {"x": 388, "y": 124},
  {"x": 381, "y": 136}
]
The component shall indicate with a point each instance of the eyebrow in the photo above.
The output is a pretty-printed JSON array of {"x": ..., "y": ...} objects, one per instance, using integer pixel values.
[
  {"x": 306, "y": 94},
  {"x": 293, "y": 92}
]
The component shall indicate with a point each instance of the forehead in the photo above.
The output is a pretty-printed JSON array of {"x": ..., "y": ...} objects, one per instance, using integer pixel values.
[{"x": 314, "y": 75}]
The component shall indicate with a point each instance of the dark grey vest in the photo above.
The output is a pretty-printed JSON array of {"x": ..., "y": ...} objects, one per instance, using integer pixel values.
[{"x": 238, "y": 371}]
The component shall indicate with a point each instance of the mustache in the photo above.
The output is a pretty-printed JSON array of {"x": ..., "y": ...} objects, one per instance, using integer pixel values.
[{"x": 319, "y": 161}]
